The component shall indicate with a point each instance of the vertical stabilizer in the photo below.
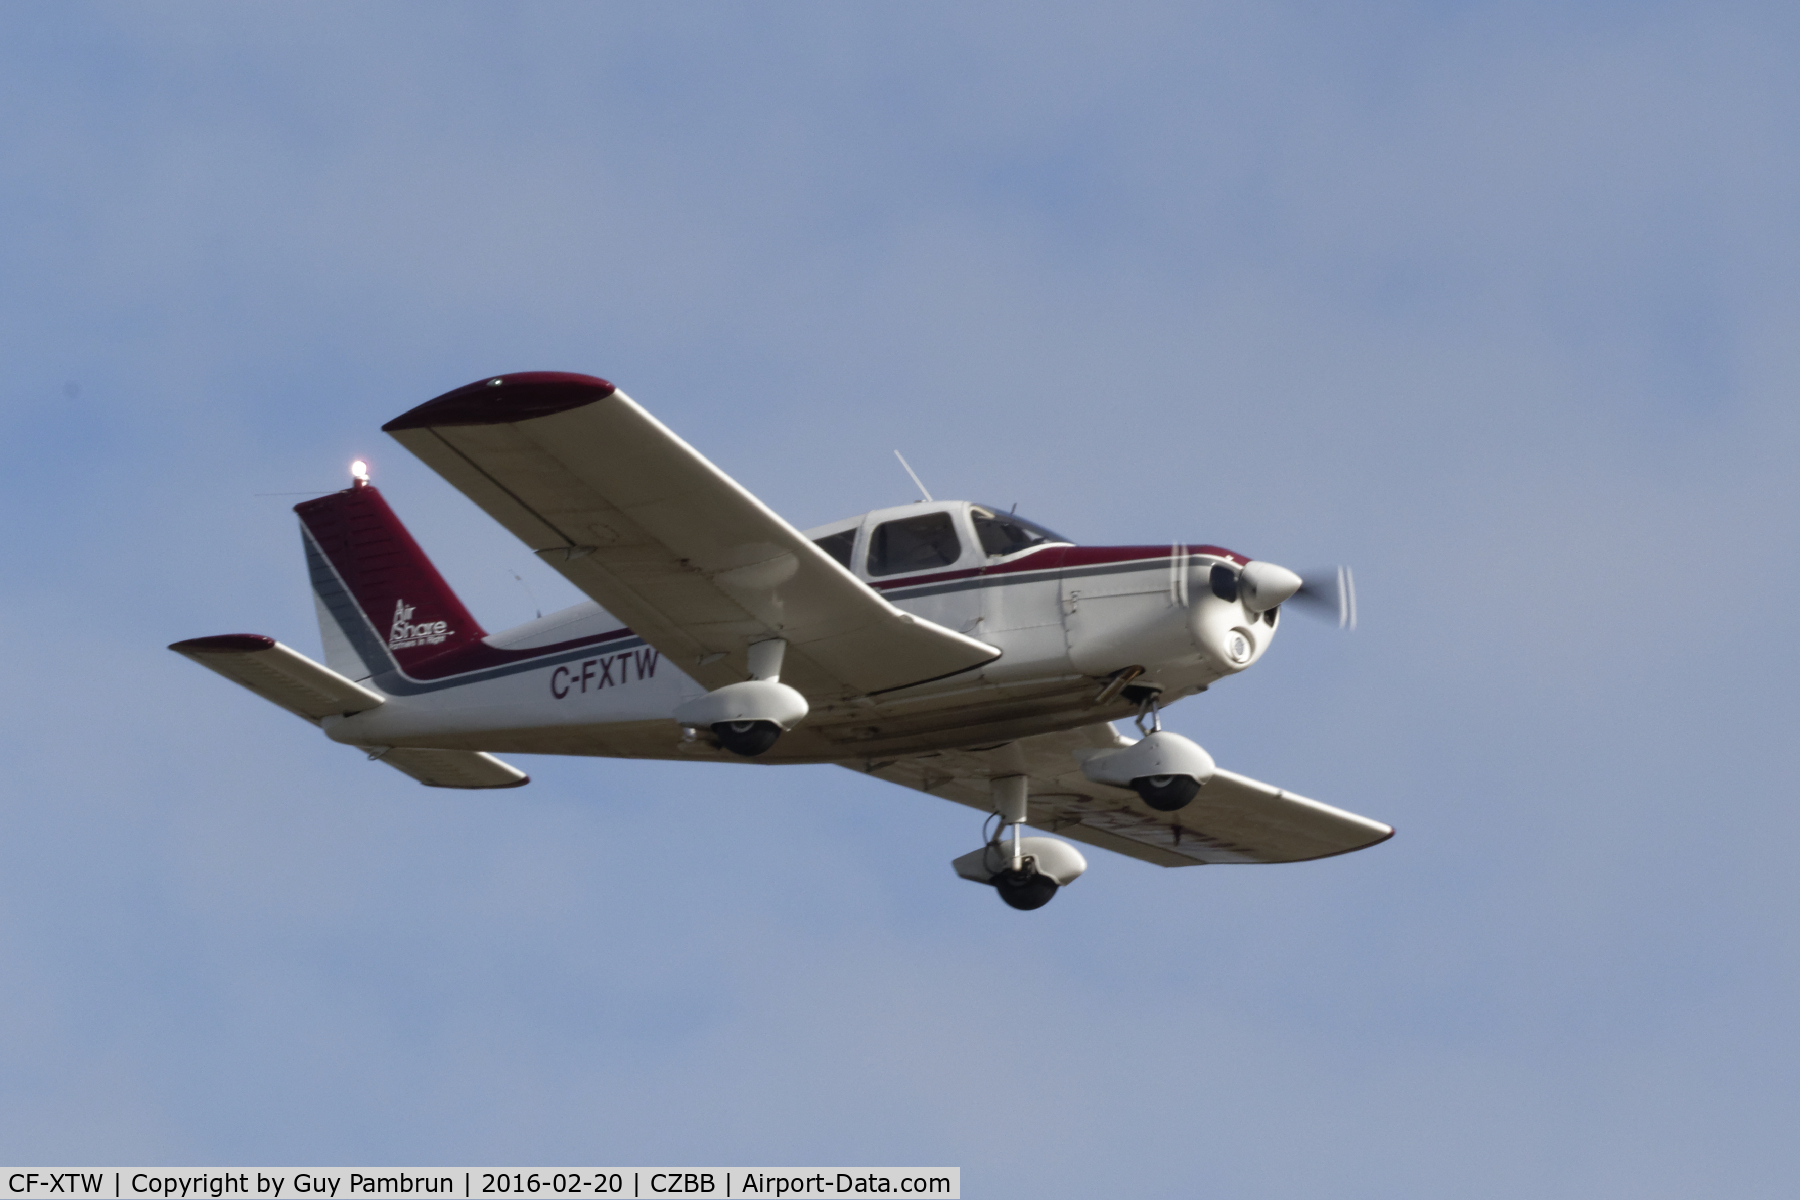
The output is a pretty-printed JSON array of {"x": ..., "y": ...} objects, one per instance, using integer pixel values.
[{"x": 381, "y": 602}]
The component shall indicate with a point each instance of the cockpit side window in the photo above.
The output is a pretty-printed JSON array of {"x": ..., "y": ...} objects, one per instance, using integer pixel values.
[
  {"x": 1004, "y": 533},
  {"x": 913, "y": 544},
  {"x": 839, "y": 545}
]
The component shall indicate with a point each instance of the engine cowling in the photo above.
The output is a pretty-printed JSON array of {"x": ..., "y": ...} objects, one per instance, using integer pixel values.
[{"x": 1232, "y": 636}]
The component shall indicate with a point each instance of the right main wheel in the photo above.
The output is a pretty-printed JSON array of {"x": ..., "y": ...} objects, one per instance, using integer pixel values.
[{"x": 1166, "y": 793}]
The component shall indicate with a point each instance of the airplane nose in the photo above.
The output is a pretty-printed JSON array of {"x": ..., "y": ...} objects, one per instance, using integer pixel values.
[{"x": 1263, "y": 585}]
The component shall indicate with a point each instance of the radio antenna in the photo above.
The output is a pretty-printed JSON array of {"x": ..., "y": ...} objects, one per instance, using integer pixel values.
[
  {"x": 528, "y": 592},
  {"x": 913, "y": 473}
]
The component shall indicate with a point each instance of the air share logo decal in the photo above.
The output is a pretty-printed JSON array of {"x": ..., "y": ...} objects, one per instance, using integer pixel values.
[{"x": 405, "y": 634}]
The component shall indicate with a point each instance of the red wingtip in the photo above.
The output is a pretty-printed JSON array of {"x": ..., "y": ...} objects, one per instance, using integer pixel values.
[
  {"x": 225, "y": 643},
  {"x": 504, "y": 399}
]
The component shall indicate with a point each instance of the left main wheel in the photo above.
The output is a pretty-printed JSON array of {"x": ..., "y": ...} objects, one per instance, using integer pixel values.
[{"x": 747, "y": 738}]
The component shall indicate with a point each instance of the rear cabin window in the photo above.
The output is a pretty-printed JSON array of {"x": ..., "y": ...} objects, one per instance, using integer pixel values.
[
  {"x": 913, "y": 544},
  {"x": 1004, "y": 533},
  {"x": 839, "y": 545}
]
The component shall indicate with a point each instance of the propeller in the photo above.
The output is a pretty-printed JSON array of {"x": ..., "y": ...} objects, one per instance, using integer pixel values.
[{"x": 1329, "y": 594}]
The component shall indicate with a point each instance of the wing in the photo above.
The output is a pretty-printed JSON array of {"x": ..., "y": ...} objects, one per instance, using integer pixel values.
[
  {"x": 1233, "y": 820},
  {"x": 667, "y": 542}
]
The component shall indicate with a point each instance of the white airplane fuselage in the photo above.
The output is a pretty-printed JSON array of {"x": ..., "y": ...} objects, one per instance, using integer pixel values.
[{"x": 1066, "y": 619}]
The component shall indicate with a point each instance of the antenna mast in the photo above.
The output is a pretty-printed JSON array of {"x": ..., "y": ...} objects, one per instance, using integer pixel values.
[{"x": 913, "y": 473}]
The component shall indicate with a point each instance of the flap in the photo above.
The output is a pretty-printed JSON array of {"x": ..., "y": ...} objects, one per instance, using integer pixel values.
[
  {"x": 1234, "y": 819},
  {"x": 665, "y": 541},
  {"x": 280, "y": 674}
]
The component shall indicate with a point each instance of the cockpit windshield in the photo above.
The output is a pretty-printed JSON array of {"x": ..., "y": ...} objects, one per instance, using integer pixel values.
[{"x": 1006, "y": 533}]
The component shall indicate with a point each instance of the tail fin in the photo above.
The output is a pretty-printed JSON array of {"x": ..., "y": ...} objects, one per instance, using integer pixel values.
[{"x": 381, "y": 602}]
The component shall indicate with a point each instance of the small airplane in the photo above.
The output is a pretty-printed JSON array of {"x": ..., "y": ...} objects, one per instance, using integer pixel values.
[{"x": 951, "y": 647}]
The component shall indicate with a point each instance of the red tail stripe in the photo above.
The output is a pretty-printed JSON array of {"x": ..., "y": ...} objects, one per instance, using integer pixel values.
[{"x": 384, "y": 568}]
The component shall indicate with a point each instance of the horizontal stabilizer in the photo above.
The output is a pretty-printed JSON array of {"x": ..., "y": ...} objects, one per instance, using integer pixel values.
[
  {"x": 453, "y": 768},
  {"x": 280, "y": 675}
]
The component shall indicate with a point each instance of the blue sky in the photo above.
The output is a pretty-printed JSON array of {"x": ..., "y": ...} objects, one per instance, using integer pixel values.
[{"x": 1494, "y": 302}]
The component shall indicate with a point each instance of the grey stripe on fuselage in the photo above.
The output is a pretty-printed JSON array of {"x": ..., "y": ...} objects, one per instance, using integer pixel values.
[{"x": 384, "y": 672}]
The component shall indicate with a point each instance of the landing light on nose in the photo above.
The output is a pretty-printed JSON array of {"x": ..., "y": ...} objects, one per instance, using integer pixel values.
[{"x": 1263, "y": 585}]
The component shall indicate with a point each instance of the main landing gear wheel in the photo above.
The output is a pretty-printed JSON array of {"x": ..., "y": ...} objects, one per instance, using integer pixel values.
[
  {"x": 746, "y": 738},
  {"x": 1025, "y": 890},
  {"x": 1166, "y": 793}
]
